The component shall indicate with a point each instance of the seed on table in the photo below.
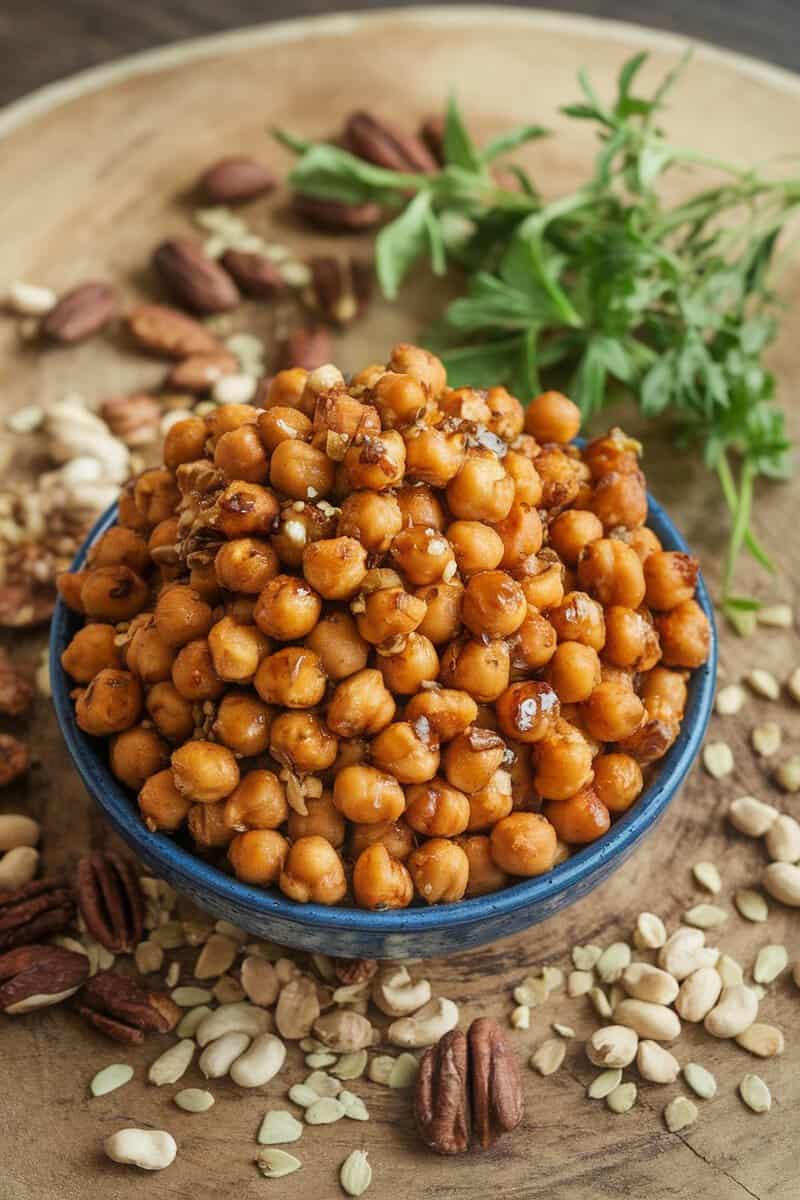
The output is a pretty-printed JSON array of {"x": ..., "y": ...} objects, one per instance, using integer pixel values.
[
  {"x": 579, "y": 983},
  {"x": 766, "y": 739},
  {"x": 354, "y": 1107},
  {"x": 549, "y": 1056},
  {"x": 793, "y": 684},
  {"x": 730, "y": 700},
  {"x": 604, "y": 1083},
  {"x": 787, "y": 775},
  {"x": 650, "y": 933},
  {"x": 355, "y": 1173},
  {"x": 190, "y": 1021},
  {"x": 600, "y": 1001},
  {"x": 751, "y": 905},
  {"x": 718, "y": 759},
  {"x": 776, "y": 616},
  {"x": 172, "y": 1064},
  {"x": 404, "y": 1072},
  {"x": 279, "y": 1126},
  {"x": 701, "y": 1081},
  {"x": 763, "y": 683},
  {"x": 320, "y": 1059},
  {"x": 765, "y": 1041},
  {"x": 323, "y": 1084},
  {"x": 783, "y": 839},
  {"x": 324, "y": 1111},
  {"x": 274, "y": 1164},
  {"x": 351, "y": 1066},
  {"x": 623, "y": 1098},
  {"x": 679, "y": 1114},
  {"x": 755, "y": 1094},
  {"x": 217, "y": 956},
  {"x": 532, "y": 992},
  {"x": 751, "y": 817},
  {"x": 194, "y": 1100},
  {"x": 584, "y": 958},
  {"x": 782, "y": 881},
  {"x": 707, "y": 876},
  {"x": 565, "y": 1031},
  {"x": 110, "y": 1078},
  {"x": 705, "y": 916},
  {"x": 655, "y": 1063},
  {"x": 771, "y": 960},
  {"x": 191, "y": 997},
  {"x": 613, "y": 961}
]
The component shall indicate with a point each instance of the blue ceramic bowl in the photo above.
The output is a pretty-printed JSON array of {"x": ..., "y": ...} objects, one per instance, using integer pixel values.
[{"x": 415, "y": 931}]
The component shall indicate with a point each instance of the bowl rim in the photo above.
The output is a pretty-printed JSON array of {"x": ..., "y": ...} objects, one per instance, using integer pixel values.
[{"x": 195, "y": 874}]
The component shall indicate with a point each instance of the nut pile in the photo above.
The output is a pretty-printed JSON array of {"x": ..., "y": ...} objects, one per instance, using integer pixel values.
[{"x": 385, "y": 639}]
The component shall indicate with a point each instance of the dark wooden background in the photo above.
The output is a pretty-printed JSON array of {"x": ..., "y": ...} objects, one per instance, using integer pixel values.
[{"x": 44, "y": 40}]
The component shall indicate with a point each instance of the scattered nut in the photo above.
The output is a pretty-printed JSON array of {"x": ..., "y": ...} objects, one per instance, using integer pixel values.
[
  {"x": 150, "y": 1149},
  {"x": 765, "y": 1041},
  {"x": 679, "y": 1114},
  {"x": 763, "y": 683},
  {"x": 782, "y": 881},
  {"x": 782, "y": 839},
  {"x": 397, "y": 995},
  {"x": 698, "y": 994},
  {"x": 705, "y": 916},
  {"x": 612, "y": 1046},
  {"x": 766, "y": 739},
  {"x": 111, "y": 1078},
  {"x": 655, "y": 1063},
  {"x": 701, "y": 1081},
  {"x": 755, "y": 1094},
  {"x": 650, "y": 1020},
  {"x": 172, "y": 1064},
  {"x": 623, "y": 1098},
  {"x": 771, "y": 961},
  {"x": 355, "y": 1173},
  {"x": 549, "y": 1056},
  {"x": 604, "y": 1083},
  {"x": 751, "y": 905},
  {"x": 261, "y": 1061},
  {"x": 274, "y": 1164},
  {"x": 427, "y": 1026},
  {"x": 194, "y": 1100},
  {"x": 649, "y": 933},
  {"x": 718, "y": 759},
  {"x": 220, "y": 1055},
  {"x": 751, "y": 817},
  {"x": 736, "y": 1010},
  {"x": 730, "y": 700},
  {"x": 787, "y": 775}
]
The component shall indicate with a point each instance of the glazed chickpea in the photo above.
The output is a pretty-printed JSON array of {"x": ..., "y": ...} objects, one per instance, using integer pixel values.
[
  {"x": 480, "y": 669},
  {"x": 523, "y": 843},
  {"x": 436, "y": 809},
  {"x": 301, "y": 471},
  {"x": 471, "y": 759},
  {"x": 381, "y": 882},
  {"x": 559, "y": 475},
  {"x": 401, "y": 400},
  {"x": 181, "y": 615},
  {"x": 112, "y": 702},
  {"x": 378, "y": 462},
  {"x": 193, "y": 672},
  {"x": 484, "y": 874},
  {"x": 258, "y": 856},
  {"x": 204, "y": 771},
  {"x": 69, "y": 585},
  {"x": 156, "y": 495},
  {"x": 287, "y": 390},
  {"x": 442, "y": 620},
  {"x": 439, "y": 869},
  {"x": 225, "y": 418},
  {"x": 128, "y": 514},
  {"x": 434, "y": 454},
  {"x": 527, "y": 712},
  {"x": 623, "y": 676},
  {"x": 653, "y": 738},
  {"x": 161, "y": 804},
  {"x": 521, "y": 533},
  {"x": 481, "y": 491},
  {"x": 563, "y": 762},
  {"x": 490, "y": 803},
  {"x": 240, "y": 454},
  {"x": 541, "y": 578},
  {"x": 341, "y": 414},
  {"x": 113, "y": 593},
  {"x": 282, "y": 424},
  {"x": 338, "y": 645},
  {"x": 321, "y": 819},
  {"x": 612, "y": 712},
  {"x": 120, "y": 546},
  {"x": 162, "y": 548},
  {"x": 574, "y": 672},
  {"x": 292, "y": 677},
  {"x": 617, "y": 781},
  {"x": 662, "y": 691},
  {"x": 302, "y": 742},
  {"x": 419, "y": 505},
  {"x": 366, "y": 795},
  {"x": 257, "y": 802},
  {"x": 92, "y": 648},
  {"x": 421, "y": 365},
  {"x": 620, "y": 500},
  {"x": 422, "y": 554},
  {"x": 551, "y": 417},
  {"x": 287, "y": 608},
  {"x": 643, "y": 541},
  {"x": 170, "y": 712},
  {"x": 494, "y": 604},
  {"x": 580, "y": 819},
  {"x": 612, "y": 572},
  {"x": 670, "y": 578},
  {"x": 360, "y": 705},
  {"x": 408, "y": 668},
  {"x": 477, "y": 547},
  {"x": 631, "y": 640},
  {"x": 136, "y": 754},
  {"x": 527, "y": 484},
  {"x": 299, "y": 525},
  {"x": 572, "y": 531},
  {"x": 467, "y": 403},
  {"x": 243, "y": 723},
  {"x": 579, "y": 618},
  {"x": 396, "y": 836},
  {"x": 335, "y": 567},
  {"x": 246, "y": 509},
  {"x": 448, "y": 711},
  {"x": 184, "y": 442},
  {"x": 614, "y": 451},
  {"x": 408, "y": 752},
  {"x": 313, "y": 872},
  {"x": 236, "y": 650},
  {"x": 372, "y": 518},
  {"x": 507, "y": 414},
  {"x": 207, "y": 825},
  {"x": 534, "y": 643},
  {"x": 520, "y": 770},
  {"x": 245, "y": 565},
  {"x": 685, "y": 635}
]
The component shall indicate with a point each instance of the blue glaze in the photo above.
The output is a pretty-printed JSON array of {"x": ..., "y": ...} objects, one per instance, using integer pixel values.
[{"x": 416, "y": 931}]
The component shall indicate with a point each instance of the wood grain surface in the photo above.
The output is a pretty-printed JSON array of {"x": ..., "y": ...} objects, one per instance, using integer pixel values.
[{"x": 98, "y": 179}]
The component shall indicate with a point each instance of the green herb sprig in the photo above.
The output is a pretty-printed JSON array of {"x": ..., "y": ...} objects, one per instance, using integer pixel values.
[{"x": 608, "y": 290}]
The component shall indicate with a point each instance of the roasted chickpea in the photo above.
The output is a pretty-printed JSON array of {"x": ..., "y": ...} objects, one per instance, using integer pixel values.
[
  {"x": 434, "y": 454},
  {"x": 338, "y": 645},
  {"x": 419, "y": 505},
  {"x": 467, "y": 403},
  {"x": 288, "y": 389},
  {"x": 92, "y": 648},
  {"x": 448, "y": 712},
  {"x": 527, "y": 484},
  {"x": 422, "y": 554},
  {"x": 541, "y": 578},
  {"x": 204, "y": 771},
  {"x": 643, "y": 541},
  {"x": 471, "y": 759},
  {"x": 663, "y": 691},
  {"x": 292, "y": 677},
  {"x": 572, "y": 531},
  {"x": 372, "y": 518},
  {"x": 360, "y": 705},
  {"x": 620, "y": 500},
  {"x": 482, "y": 669},
  {"x": 405, "y": 670},
  {"x": 181, "y": 615},
  {"x": 171, "y": 713},
  {"x": 282, "y": 424},
  {"x": 258, "y": 856},
  {"x": 335, "y": 567},
  {"x": 387, "y": 613},
  {"x": 257, "y": 802},
  {"x": 208, "y": 827},
  {"x": 240, "y": 609},
  {"x": 161, "y": 804},
  {"x": 69, "y": 585},
  {"x": 381, "y": 882},
  {"x": 494, "y": 604},
  {"x": 401, "y": 400},
  {"x": 685, "y": 635},
  {"x": 409, "y": 752},
  {"x": 365, "y": 795},
  {"x": 617, "y": 781},
  {"x": 287, "y": 608},
  {"x": 551, "y": 417},
  {"x": 442, "y": 620},
  {"x": 507, "y": 414},
  {"x": 528, "y": 711},
  {"x": 562, "y": 761},
  {"x": 184, "y": 441},
  {"x": 612, "y": 712},
  {"x": 579, "y": 618},
  {"x": 614, "y": 451},
  {"x": 670, "y": 578},
  {"x": 421, "y": 365},
  {"x": 436, "y": 809},
  {"x": 245, "y": 565},
  {"x": 560, "y": 477},
  {"x": 298, "y": 526},
  {"x": 113, "y": 593},
  {"x": 653, "y": 738},
  {"x": 112, "y": 702},
  {"x": 612, "y": 572},
  {"x": 631, "y": 640},
  {"x": 313, "y": 872},
  {"x": 484, "y": 874},
  {"x": 490, "y": 803},
  {"x": 521, "y": 533},
  {"x": 225, "y": 418},
  {"x": 321, "y": 819},
  {"x": 377, "y": 462},
  {"x": 243, "y": 723},
  {"x": 156, "y": 495},
  {"x": 396, "y": 836},
  {"x": 128, "y": 514},
  {"x": 520, "y": 770},
  {"x": 136, "y": 754},
  {"x": 534, "y": 643},
  {"x": 193, "y": 672},
  {"x": 440, "y": 871},
  {"x": 240, "y": 454},
  {"x": 481, "y": 491},
  {"x": 162, "y": 548},
  {"x": 343, "y": 415},
  {"x": 574, "y": 672},
  {"x": 246, "y": 509},
  {"x": 302, "y": 742},
  {"x": 477, "y": 547},
  {"x": 236, "y": 649},
  {"x": 120, "y": 546},
  {"x": 300, "y": 470},
  {"x": 581, "y": 819},
  {"x": 523, "y": 843}
]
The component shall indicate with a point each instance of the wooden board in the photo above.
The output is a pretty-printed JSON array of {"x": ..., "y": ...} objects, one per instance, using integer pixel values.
[{"x": 95, "y": 169}]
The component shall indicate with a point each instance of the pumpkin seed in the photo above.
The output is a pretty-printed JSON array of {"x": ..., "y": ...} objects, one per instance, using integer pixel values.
[
  {"x": 273, "y": 1164},
  {"x": 755, "y": 1093},
  {"x": 705, "y": 916},
  {"x": 110, "y": 1078},
  {"x": 404, "y": 1071},
  {"x": 623, "y": 1098},
  {"x": 354, "y": 1107},
  {"x": 323, "y": 1084},
  {"x": 350, "y": 1066},
  {"x": 320, "y": 1059},
  {"x": 355, "y": 1173},
  {"x": 194, "y": 1100},
  {"x": 324, "y": 1111},
  {"x": 279, "y": 1126},
  {"x": 679, "y": 1114},
  {"x": 701, "y": 1081},
  {"x": 190, "y": 997},
  {"x": 770, "y": 962},
  {"x": 751, "y": 905},
  {"x": 302, "y": 1095},
  {"x": 191, "y": 1019}
]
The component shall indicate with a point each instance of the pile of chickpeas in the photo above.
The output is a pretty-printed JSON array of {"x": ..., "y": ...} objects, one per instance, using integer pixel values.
[{"x": 385, "y": 639}]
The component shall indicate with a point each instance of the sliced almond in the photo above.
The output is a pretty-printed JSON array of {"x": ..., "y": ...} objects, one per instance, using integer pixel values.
[
  {"x": 707, "y": 876},
  {"x": 548, "y": 1057}
]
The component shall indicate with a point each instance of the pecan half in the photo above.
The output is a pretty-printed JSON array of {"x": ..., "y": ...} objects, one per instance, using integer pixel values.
[
  {"x": 122, "y": 1008},
  {"x": 79, "y": 313},
  {"x": 14, "y": 759},
  {"x": 111, "y": 901},
  {"x": 255, "y": 274},
  {"x": 340, "y": 288},
  {"x": 381, "y": 142},
  {"x": 335, "y": 216},
  {"x": 199, "y": 372},
  {"x": 495, "y": 1082},
  {"x": 441, "y": 1101},
  {"x": 134, "y": 419},
  {"x": 309, "y": 348},
  {"x": 354, "y": 970},
  {"x": 235, "y": 180},
  {"x": 193, "y": 278},
  {"x": 167, "y": 331},
  {"x": 34, "y": 977},
  {"x": 16, "y": 692},
  {"x": 34, "y": 911}
]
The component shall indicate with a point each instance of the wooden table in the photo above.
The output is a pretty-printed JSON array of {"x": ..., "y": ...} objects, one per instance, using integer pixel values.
[{"x": 95, "y": 184}]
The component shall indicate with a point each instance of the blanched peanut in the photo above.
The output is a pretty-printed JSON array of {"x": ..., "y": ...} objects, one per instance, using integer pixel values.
[
  {"x": 313, "y": 872},
  {"x": 440, "y": 870},
  {"x": 260, "y": 1062},
  {"x": 365, "y": 795},
  {"x": 150, "y": 1149},
  {"x": 736, "y": 1011},
  {"x": 381, "y": 882},
  {"x": 426, "y": 1026}
]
